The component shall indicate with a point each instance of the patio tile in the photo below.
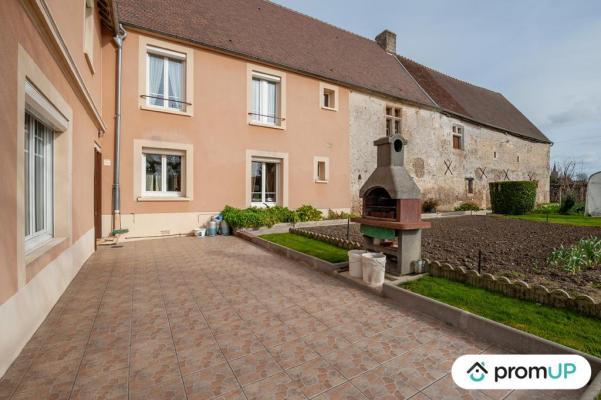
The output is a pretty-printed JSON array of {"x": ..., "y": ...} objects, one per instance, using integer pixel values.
[
  {"x": 253, "y": 367},
  {"x": 316, "y": 376},
  {"x": 235, "y": 346},
  {"x": 383, "y": 383},
  {"x": 210, "y": 382},
  {"x": 112, "y": 385},
  {"x": 197, "y": 358},
  {"x": 293, "y": 353},
  {"x": 351, "y": 361},
  {"x": 169, "y": 391},
  {"x": 326, "y": 341},
  {"x": 346, "y": 391},
  {"x": 446, "y": 389},
  {"x": 277, "y": 387}
]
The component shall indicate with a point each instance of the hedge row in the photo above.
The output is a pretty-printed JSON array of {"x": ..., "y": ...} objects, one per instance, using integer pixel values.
[
  {"x": 513, "y": 197},
  {"x": 255, "y": 217}
]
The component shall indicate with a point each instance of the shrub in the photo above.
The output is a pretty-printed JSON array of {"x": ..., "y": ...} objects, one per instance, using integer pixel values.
[
  {"x": 585, "y": 254},
  {"x": 579, "y": 208},
  {"x": 467, "y": 206},
  {"x": 429, "y": 205},
  {"x": 567, "y": 202},
  {"x": 254, "y": 217},
  {"x": 547, "y": 208},
  {"x": 513, "y": 197},
  {"x": 308, "y": 213},
  {"x": 338, "y": 215}
]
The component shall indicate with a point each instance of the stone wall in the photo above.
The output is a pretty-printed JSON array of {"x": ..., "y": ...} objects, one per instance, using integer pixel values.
[{"x": 430, "y": 150}]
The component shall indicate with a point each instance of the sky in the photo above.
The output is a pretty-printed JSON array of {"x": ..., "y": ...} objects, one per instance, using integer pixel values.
[{"x": 543, "y": 55}]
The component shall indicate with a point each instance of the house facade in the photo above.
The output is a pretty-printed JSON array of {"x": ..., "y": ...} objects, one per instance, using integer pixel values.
[{"x": 151, "y": 116}]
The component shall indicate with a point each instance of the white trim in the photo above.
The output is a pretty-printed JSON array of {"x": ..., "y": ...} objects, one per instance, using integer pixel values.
[
  {"x": 316, "y": 161},
  {"x": 332, "y": 88},
  {"x": 163, "y": 192},
  {"x": 262, "y": 76},
  {"x": 24, "y": 312},
  {"x": 166, "y": 53},
  {"x": 46, "y": 111},
  {"x": 282, "y": 179},
  {"x": 264, "y": 162}
]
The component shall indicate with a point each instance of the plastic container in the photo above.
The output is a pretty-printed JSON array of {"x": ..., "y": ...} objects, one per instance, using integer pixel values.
[
  {"x": 354, "y": 263},
  {"x": 373, "y": 266},
  {"x": 200, "y": 232},
  {"x": 224, "y": 228},
  {"x": 212, "y": 229}
]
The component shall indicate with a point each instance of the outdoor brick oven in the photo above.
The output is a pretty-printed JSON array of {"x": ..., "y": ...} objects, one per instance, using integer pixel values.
[{"x": 391, "y": 219}]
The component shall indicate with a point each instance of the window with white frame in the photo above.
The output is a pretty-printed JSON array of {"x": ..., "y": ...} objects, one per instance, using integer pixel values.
[
  {"x": 162, "y": 173},
  {"x": 393, "y": 121},
  {"x": 265, "y": 99},
  {"x": 166, "y": 79},
  {"x": 264, "y": 182},
  {"x": 321, "y": 169},
  {"x": 38, "y": 182}
]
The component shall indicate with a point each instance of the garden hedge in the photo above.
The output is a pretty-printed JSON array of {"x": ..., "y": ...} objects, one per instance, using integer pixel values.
[{"x": 513, "y": 197}]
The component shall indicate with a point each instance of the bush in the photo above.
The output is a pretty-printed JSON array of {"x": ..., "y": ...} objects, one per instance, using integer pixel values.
[
  {"x": 467, "y": 206},
  {"x": 546, "y": 208},
  {"x": 429, "y": 205},
  {"x": 585, "y": 254},
  {"x": 308, "y": 213},
  {"x": 579, "y": 208},
  {"x": 568, "y": 201},
  {"x": 513, "y": 197},
  {"x": 338, "y": 215},
  {"x": 254, "y": 217}
]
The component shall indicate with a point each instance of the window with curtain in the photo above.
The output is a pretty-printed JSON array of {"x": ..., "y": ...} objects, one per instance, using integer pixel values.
[
  {"x": 264, "y": 183},
  {"x": 265, "y": 99},
  {"x": 163, "y": 174},
  {"x": 166, "y": 79},
  {"x": 38, "y": 182}
]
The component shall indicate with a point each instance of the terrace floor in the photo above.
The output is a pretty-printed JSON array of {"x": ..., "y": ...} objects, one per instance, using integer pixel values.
[{"x": 220, "y": 318}]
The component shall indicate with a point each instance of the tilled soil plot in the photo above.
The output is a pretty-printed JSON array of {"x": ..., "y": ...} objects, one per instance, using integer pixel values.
[{"x": 513, "y": 248}]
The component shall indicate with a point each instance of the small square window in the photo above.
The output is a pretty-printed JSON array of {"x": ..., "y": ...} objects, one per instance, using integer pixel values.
[
  {"x": 457, "y": 137},
  {"x": 321, "y": 169},
  {"x": 328, "y": 96}
]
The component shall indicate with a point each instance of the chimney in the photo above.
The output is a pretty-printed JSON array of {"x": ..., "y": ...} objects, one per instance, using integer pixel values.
[{"x": 387, "y": 41}]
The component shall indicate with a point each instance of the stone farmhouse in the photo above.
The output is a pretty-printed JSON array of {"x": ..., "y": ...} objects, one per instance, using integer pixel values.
[{"x": 151, "y": 115}]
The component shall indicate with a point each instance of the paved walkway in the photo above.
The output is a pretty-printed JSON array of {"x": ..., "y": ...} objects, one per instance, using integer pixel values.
[{"x": 219, "y": 318}]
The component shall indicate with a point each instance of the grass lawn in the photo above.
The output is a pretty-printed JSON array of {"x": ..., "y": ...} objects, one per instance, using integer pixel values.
[
  {"x": 308, "y": 246},
  {"x": 561, "y": 326},
  {"x": 570, "y": 219}
]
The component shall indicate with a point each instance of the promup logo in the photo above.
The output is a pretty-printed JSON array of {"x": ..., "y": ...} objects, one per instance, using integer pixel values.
[
  {"x": 521, "y": 371},
  {"x": 477, "y": 372}
]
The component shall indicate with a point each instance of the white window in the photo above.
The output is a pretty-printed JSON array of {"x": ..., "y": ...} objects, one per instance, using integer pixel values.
[
  {"x": 265, "y": 99},
  {"x": 321, "y": 169},
  {"x": 162, "y": 174},
  {"x": 38, "y": 182},
  {"x": 264, "y": 182},
  {"x": 166, "y": 79},
  {"x": 88, "y": 30},
  {"x": 393, "y": 121}
]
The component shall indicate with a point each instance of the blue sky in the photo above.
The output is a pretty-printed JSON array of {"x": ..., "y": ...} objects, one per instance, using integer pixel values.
[{"x": 544, "y": 56}]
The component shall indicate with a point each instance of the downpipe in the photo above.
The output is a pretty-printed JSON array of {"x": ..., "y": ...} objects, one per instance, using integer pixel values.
[{"x": 118, "y": 40}]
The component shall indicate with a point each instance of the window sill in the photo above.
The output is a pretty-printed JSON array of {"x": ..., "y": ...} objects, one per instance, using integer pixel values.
[
  {"x": 166, "y": 198},
  {"x": 42, "y": 249},
  {"x": 254, "y": 123},
  {"x": 319, "y": 181},
  {"x": 329, "y": 108},
  {"x": 166, "y": 110}
]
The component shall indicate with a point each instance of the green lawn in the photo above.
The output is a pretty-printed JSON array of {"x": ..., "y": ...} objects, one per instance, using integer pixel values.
[
  {"x": 561, "y": 326},
  {"x": 570, "y": 219},
  {"x": 309, "y": 246}
]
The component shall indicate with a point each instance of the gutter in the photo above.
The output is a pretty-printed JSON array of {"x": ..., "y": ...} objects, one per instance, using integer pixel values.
[{"x": 119, "y": 37}]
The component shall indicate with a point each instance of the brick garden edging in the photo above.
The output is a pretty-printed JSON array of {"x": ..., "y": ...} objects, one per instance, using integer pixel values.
[
  {"x": 336, "y": 241},
  {"x": 518, "y": 289}
]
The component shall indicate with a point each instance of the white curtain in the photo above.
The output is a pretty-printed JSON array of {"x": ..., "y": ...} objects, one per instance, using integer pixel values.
[
  {"x": 155, "y": 77},
  {"x": 176, "y": 74},
  {"x": 256, "y": 100},
  {"x": 271, "y": 102}
]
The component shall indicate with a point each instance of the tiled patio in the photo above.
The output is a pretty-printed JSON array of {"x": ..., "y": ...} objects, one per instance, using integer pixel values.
[{"x": 217, "y": 318}]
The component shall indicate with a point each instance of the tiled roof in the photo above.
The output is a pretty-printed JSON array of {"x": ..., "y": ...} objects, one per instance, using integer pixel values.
[
  {"x": 473, "y": 102},
  {"x": 268, "y": 32}
]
